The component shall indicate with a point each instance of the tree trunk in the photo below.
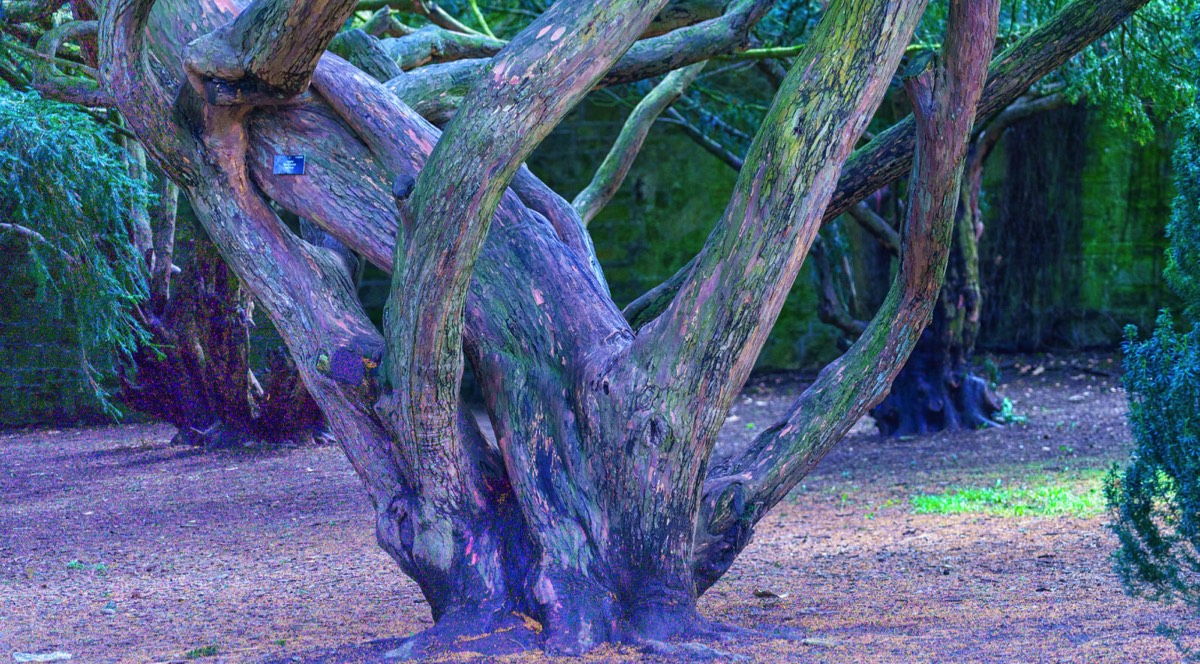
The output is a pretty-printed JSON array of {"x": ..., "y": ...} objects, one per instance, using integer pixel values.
[
  {"x": 938, "y": 389},
  {"x": 196, "y": 375}
]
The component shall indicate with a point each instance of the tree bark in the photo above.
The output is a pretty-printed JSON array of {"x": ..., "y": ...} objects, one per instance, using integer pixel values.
[
  {"x": 743, "y": 486},
  {"x": 888, "y": 156},
  {"x": 938, "y": 389}
]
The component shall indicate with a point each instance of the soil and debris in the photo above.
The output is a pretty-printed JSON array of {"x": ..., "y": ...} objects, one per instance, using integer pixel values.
[{"x": 118, "y": 547}]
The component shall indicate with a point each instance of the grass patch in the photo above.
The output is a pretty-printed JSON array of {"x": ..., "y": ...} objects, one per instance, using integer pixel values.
[
  {"x": 206, "y": 651},
  {"x": 99, "y": 568},
  {"x": 1082, "y": 498}
]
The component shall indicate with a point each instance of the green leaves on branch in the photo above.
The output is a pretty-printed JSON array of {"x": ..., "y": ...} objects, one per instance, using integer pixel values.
[
  {"x": 1183, "y": 256},
  {"x": 1142, "y": 71},
  {"x": 1156, "y": 499},
  {"x": 66, "y": 200}
]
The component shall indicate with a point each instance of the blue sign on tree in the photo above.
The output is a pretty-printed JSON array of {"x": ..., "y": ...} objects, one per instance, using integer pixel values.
[{"x": 289, "y": 164}]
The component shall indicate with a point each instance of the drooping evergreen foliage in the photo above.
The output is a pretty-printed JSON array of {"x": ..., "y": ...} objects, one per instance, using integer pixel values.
[
  {"x": 1156, "y": 499},
  {"x": 1183, "y": 257},
  {"x": 1140, "y": 73},
  {"x": 66, "y": 199}
]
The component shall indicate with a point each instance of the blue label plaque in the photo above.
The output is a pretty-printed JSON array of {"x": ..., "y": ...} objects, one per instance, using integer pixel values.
[{"x": 289, "y": 164}]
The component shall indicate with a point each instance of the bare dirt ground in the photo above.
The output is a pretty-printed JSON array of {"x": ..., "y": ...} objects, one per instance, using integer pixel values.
[{"x": 116, "y": 547}]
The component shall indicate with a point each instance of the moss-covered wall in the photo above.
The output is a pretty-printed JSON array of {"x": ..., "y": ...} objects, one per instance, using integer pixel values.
[
  {"x": 1075, "y": 214},
  {"x": 1073, "y": 250},
  {"x": 1074, "y": 211}
]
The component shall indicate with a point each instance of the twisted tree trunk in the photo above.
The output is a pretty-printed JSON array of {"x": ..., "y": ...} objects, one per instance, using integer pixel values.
[{"x": 596, "y": 516}]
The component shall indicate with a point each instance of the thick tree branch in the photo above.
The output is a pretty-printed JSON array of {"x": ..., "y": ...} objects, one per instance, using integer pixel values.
[
  {"x": 308, "y": 297},
  {"x": 28, "y": 11},
  {"x": 648, "y": 58},
  {"x": 384, "y": 23},
  {"x": 83, "y": 90},
  {"x": 365, "y": 52},
  {"x": 680, "y": 48},
  {"x": 203, "y": 149},
  {"x": 727, "y": 306},
  {"x": 436, "y": 44},
  {"x": 435, "y": 91},
  {"x": 126, "y": 72},
  {"x": 540, "y": 198},
  {"x": 1043, "y": 50},
  {"x": 738, "y": 492},
  {"x": 682, "y": 13},
  {"x": 267, "y": 53},
  {"x": 676, "y": 14},
  {"x": 612, "y": 171},
  {"x": 83, "y": 10},
  {"x": 530, "y": 87}
]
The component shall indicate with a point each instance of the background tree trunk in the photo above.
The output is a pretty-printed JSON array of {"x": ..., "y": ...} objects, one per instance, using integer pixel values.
[
  {"x": 938, "y": 388},
  {"x": 196, "y": 372}
]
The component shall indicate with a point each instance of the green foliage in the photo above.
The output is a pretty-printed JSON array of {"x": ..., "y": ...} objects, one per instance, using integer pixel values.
[
  {"x": 1156, "y": 498},
  {"x": 205, "y": 651},
  {"x": 99, "y": 568},
  {"x": 1082, "y": 500},
  {"x": 1131, "y": 77},
  {"x": 1183, "y": 256},
  {"x": 1008, "y": 414},
  {"x": 66, "y": 199},
  {"x": 1139, "y": 72}
]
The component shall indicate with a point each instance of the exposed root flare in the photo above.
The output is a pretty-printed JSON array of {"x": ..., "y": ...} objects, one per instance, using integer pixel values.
[
  {"x": 682, "y": 634},
  {"x": 494, "y": 635},
  {"x": 689, "y": 651}
]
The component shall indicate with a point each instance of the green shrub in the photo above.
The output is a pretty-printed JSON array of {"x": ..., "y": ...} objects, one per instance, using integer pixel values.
[{"x": 1155, "y": 500}]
